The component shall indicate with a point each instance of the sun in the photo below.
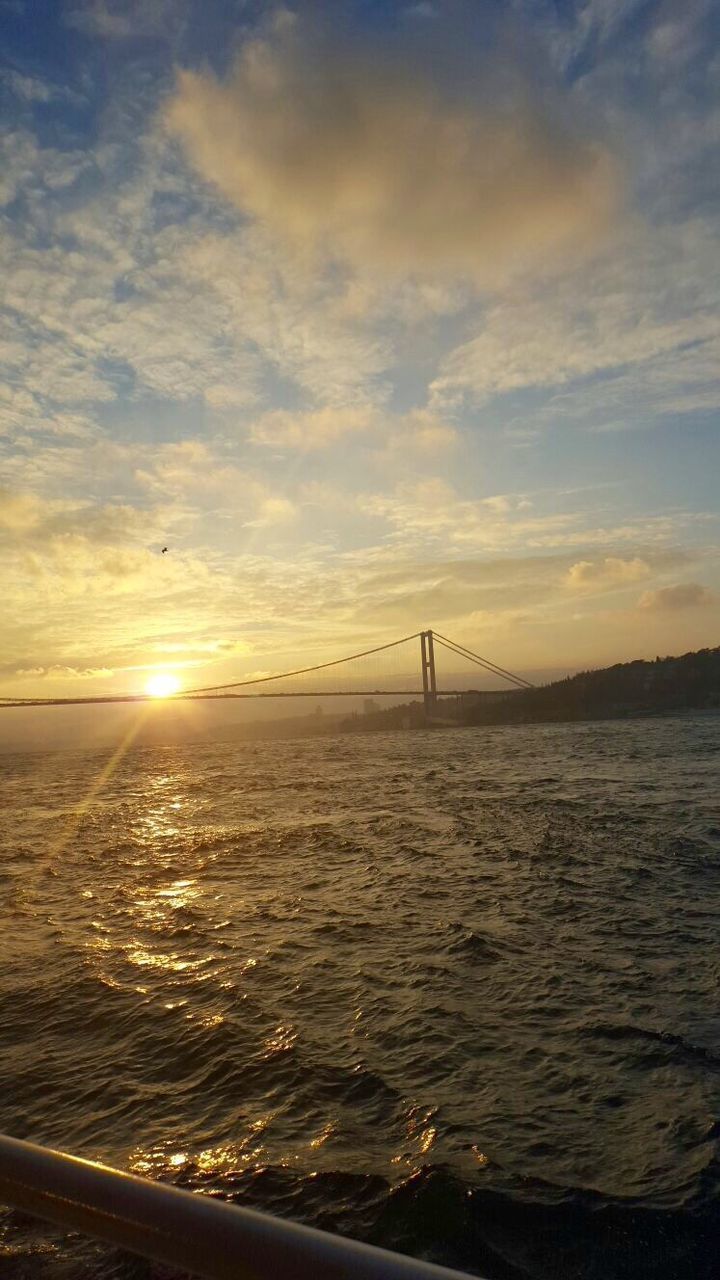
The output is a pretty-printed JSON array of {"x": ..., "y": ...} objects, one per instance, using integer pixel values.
[{"x": 162, "y": 685}]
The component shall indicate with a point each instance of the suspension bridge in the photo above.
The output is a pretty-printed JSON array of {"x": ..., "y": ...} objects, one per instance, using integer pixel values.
[{"x": 409, "y": 668}]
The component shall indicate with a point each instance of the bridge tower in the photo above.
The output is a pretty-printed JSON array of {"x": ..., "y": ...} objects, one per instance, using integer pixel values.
[{"x": 427, "y": 653}]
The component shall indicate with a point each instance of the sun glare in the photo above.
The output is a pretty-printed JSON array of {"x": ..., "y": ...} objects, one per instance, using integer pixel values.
[{"x": 162, "y": 685}]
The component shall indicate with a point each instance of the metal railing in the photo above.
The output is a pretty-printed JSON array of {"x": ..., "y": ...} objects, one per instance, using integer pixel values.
[{"x": 193, "y": 1232}]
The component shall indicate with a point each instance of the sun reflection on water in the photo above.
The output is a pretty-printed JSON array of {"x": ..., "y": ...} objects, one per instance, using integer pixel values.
[
  {"x": 220, "y": 1158},
  {"x": 325, "y": 1134},
  {"x": 140, "y": 956},
  {"x": 153, "y": 921},
  {"x": 282, "y": 1038}
]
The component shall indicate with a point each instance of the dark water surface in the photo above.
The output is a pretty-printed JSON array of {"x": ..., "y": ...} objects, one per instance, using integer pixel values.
[{"x": 456, "y": 993}]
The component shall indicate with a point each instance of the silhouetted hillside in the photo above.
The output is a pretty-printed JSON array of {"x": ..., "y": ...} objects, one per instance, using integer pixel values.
[{"x": 690, "y": 682}]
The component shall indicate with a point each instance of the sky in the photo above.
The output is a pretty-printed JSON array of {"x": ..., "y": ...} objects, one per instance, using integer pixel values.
[{"x": 377, "y": 316}]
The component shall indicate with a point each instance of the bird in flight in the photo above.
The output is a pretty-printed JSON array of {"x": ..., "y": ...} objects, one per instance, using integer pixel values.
[{"x": 162, "y": 553}]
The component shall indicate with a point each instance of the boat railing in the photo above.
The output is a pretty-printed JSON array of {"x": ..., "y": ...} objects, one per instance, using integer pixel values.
[{"x": 197, "y": 1233}]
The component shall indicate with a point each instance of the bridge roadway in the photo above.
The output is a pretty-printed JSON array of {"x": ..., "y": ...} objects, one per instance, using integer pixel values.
[{"x": 208, "y": 697}]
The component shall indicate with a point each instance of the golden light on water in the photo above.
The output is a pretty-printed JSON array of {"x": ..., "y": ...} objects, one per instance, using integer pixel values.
[{"x": 163, "y": 684}]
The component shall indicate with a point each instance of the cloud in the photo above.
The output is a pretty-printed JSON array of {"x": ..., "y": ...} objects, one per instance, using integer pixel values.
[
  {"x": 90, "y": 673},
  {"x": 22, "y": 412},
  {"x": 642, "y": 394},
  {"x": 204, "y": 481},
  {"x": 19, "y": 512},
  {"x": 687, "y": 595},
  {"x": 651, "y": 297},
  {"x": 100, "y": 304},
  {"x": 272, "y": 511},
  {"x": 27, "y": 88},
  {"x": 310, "y": 430},
  {"x": 277, "y": 305},
  {"x": 606, "y": 574},
  {"x": 416, "y": 439},
  {"x": 73, "y": 532},
  {"x": 430, "y": 513},
  {"x": 18, "y": 156},
  {"x": 417, "y": 433},
  {"x": 126, "y": 19},
  {"x": 369, "y": 154}
]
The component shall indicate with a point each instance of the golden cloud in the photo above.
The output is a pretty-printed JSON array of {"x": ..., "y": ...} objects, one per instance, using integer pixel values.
[
  {"x": 312, "y": 429},
  {"x": 685, "y": 595},
  {"x": 370, "y": 157},
  {"x": 605, "y": 574},
  {"x": 417, "y": 432}
]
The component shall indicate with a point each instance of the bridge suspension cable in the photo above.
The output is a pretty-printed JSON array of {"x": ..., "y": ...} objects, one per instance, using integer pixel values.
[
  {"x": 302, "y": 671},
  {"x": 462, "y": 652}
]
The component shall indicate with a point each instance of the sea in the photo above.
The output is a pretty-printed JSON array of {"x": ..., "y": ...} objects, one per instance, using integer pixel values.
[{"x": 454, "y": 992}]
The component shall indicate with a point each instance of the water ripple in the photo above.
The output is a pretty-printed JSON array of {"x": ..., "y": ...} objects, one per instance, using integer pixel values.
[{"x": 455, "y": 993}]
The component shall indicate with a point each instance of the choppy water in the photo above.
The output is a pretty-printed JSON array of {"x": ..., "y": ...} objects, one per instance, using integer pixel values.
[{"x": 454, "y": 992}]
